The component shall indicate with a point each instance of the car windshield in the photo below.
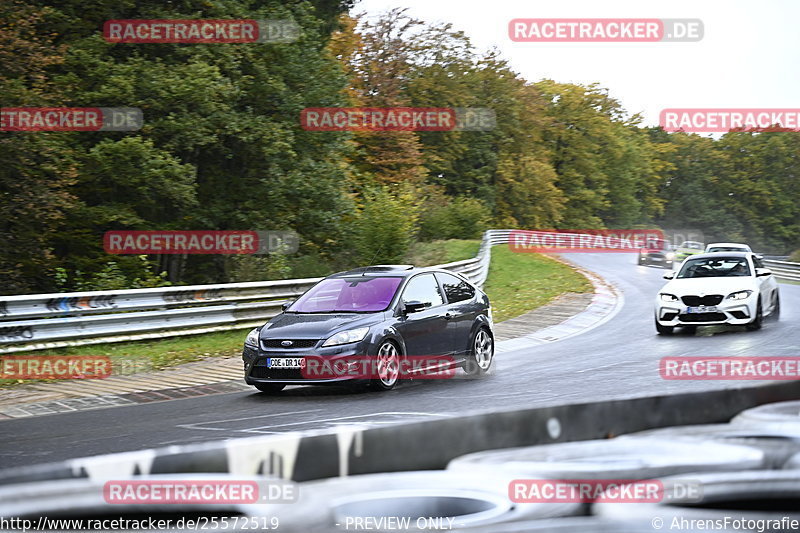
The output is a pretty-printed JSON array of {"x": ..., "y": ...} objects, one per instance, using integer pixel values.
[
  {"x": 715, "y": 267},
  {"x": 356, "y": 294},
  {"x": 716, "y": 249},
  {"x": 658, "y": 244}
]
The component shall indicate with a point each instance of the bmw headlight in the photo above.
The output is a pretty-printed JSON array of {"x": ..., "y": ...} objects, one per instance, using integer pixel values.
[
  {"x": 252, "y": 338},
  {"x": 741, "y": 295},
  {"x": 668, "y": 297},
  {"x": 346, "y": 337}
]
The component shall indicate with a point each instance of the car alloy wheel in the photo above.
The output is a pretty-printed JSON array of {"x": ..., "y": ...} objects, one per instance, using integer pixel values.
[
  {"x": 387, "y": 366},
  {"x": 482, "y": 354}
]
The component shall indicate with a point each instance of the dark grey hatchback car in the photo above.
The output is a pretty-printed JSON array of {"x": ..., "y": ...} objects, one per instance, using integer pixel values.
[{"x": 385, "y": 315}]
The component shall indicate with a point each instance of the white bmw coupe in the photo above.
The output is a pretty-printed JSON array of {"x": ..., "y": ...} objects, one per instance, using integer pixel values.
[{"x": 717, "y": 288}]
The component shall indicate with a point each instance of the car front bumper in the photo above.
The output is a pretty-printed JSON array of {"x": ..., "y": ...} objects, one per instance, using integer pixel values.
[
  {"x": 257, "y": 371},
  {"x": 655, "y": 259},
  {"x": 732, "y": 312}
]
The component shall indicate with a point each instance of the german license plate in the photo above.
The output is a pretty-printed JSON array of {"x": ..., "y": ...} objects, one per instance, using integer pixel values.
[
  {"x": 702, "y": 309},
  {"x": 286, "y": 362}
]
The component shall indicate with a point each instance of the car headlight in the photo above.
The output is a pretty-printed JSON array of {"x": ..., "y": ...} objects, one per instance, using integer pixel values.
[
  {"x": 741, "y": 295},
  {"x": 346, "y": 337},
  {"x": 670, "y": 255},
  {"x": 668, "y": 297},
  {"x": 252, "y": 338}
]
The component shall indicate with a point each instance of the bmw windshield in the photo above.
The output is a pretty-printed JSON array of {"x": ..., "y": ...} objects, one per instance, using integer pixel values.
[
  {"x": 356, "y": 294},
  {"x": 715, "y": 267}
]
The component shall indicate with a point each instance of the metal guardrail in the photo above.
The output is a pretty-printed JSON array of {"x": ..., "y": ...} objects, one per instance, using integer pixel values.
[
  {"x": 42, "y": 321},
  {"x": 784, "y": 269}
]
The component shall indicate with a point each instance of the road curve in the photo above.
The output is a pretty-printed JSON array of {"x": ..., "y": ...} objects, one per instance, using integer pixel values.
[{"x": 616, "y": 360}]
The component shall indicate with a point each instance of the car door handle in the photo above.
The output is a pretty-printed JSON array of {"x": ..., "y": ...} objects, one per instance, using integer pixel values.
[{"x": 448, "y": 316}]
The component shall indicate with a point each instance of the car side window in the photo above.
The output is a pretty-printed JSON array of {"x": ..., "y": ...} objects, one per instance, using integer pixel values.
[
  {"x": 456, "y": 290},
  {"x": 423, "y": 288}
]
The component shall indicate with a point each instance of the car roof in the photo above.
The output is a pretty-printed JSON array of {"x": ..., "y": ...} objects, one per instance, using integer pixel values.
[
  {"x": 727, "y": 244},
  {"x": 402, "y": 271},
  {"x": 720, "y": 254}
]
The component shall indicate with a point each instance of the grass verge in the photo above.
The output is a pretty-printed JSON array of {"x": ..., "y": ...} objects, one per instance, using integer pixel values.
[{"x": 517, "y": 283}]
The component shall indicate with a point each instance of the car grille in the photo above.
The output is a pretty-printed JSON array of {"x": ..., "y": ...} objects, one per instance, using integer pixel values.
[
  {"x": 694, "y": 301},
  {"x": 262, "y": 372},
  {"x": 669, "y": 316},
  {"x": 703, "y": 317},
  {"x": 296, "y": 343}
]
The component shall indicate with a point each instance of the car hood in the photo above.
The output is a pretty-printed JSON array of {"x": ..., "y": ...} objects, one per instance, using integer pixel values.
[
  {"x": 315, "y": 326},
  {"x": 696, "y": 286}
]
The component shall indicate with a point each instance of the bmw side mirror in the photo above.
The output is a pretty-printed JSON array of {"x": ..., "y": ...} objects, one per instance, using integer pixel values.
[
  {"x": 413, "y": 306},
  {"x": 285, "y": 305},
  {"x": 669, "y": 275},
  {"x": 763, "y": 272}
]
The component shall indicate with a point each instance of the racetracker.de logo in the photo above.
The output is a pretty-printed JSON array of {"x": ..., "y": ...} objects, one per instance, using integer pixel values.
[
  {"x": 198, "y": 491},
  {"x": 583, "y": 240},
  {"x": 601, "y": 490},
  {"x": 724, "y": 120},
  {"x": 398, "y": 119},
  {"x": 70, "y": 119},
  {"x": 200, "y": 31},
  {"x": 729, "y": 368},
  {"x": 372, "y": 367},
  {"x": 200, "y": 242},
  {"x": 605, "y": 30},
  {"x": 55, "y": 367}
]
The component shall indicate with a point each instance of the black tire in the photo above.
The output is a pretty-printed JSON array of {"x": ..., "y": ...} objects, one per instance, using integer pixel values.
[
  {"x": 755, "y": 325},
  {"x": 751, "y": 495},
  {"x": 778, "y": 446},
  {"x": 776, "y": 310},
  {"x": 269, "y": 388},
  {"x": 628, "y": 458},
  {"x": 779, "y": 416},
  {"x": 481, "y": 354},
  {"x": 664, "y": 330},
  {"x": 388, "y": 361},
  {"x": 477, "y": 502}
]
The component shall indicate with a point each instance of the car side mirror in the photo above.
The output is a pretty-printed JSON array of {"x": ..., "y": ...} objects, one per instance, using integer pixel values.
[
  {"x": 286, "y": 305},
  {"x": 669, "y": 275},
  {"x": 413, "y": 306},
  {"x": 763, "y": 272}
]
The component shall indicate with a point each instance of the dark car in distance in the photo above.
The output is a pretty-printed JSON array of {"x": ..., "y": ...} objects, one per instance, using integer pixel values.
[
  {"x": 657, "y": 252},
  {"x": 381, "y": 314}
]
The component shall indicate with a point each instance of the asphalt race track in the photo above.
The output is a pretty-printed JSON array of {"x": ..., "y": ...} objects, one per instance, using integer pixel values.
[{"x": 616, "y": 360}]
